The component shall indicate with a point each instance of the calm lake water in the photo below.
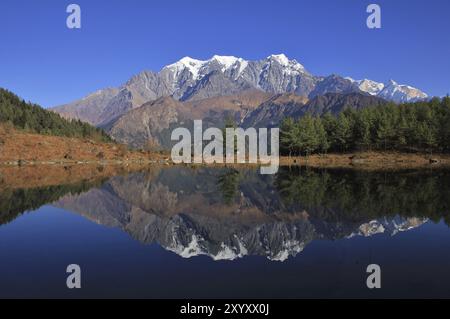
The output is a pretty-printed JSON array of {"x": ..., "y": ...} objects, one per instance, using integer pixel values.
[{"x": 224, "y": 233}]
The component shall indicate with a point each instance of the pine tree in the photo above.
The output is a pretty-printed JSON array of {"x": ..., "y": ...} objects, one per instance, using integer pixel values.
[
  {"x": 342, "y": 134},
  {"x": 288, "y": 135},
  {"x": 321, "y": 135},
  {"x": 307, "y": 140}
]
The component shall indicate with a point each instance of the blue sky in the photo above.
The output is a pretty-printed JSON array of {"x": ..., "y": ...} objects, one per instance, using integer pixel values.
[{"x": 45, "y": 62}]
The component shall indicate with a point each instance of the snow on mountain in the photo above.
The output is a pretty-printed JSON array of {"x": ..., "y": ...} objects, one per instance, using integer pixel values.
[
  {"x": 401, "y": 93},
  {"x": 371, "y": 87},
  {"x": 198, "y": 67},
  {"x": 390, "y": 91},
  {"x": 192, "y": 65},
  {"x": 225, "y": 61},
  {"x": 290, "y": 66}
]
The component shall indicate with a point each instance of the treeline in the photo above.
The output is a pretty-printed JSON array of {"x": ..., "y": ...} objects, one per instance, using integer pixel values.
[
  {"x": 35, "y": 119},
  {"x": 420, "y": 126}
]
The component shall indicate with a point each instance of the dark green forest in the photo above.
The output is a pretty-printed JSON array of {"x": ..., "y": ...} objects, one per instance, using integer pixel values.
[
  {"x": 35, "y": 119},
  {"x": 410, "y": 127}
]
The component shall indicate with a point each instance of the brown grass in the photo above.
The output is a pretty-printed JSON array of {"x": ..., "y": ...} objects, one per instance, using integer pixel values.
[{"x": 17, "y": 146}]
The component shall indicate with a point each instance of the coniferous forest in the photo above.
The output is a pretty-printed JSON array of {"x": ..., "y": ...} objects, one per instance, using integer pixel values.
[
  {"x": 409, "y": 127},
  {"x": 35, "y": 119}
]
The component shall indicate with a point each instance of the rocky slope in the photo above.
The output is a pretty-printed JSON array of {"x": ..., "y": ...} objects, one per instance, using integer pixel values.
[
  {"x": 144, "y": 127},
  {"x": 335, "y": 103},
  {"x": 90, "y": 108},
  {"x": 150, "y": 125},
  {"x": 271, "y": 112}
]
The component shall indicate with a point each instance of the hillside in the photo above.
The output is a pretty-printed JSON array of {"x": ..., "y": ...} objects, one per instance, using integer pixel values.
[
  {"x": 271, "y": 112},
  {"x": 30, "y": 134},
  {"x": 33, "y": 118},
  {"x": 19, "y": 147},
  {"x": 150, "y": 125}
]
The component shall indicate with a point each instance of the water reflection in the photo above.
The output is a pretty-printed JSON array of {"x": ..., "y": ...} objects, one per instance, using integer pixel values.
[
  {"x": 14, "y": 202},
  {"x": 227, "y": 213}
]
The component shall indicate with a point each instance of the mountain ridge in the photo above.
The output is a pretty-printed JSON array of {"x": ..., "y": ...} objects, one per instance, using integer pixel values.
[{"x": 189, "y": 80}]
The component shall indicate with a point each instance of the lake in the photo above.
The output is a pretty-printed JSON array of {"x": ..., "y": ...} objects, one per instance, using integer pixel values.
[{"x": 181, "y": 232}]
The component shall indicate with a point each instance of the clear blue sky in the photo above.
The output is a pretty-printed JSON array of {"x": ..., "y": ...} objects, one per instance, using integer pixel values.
[{"x": 45, "y": 62}]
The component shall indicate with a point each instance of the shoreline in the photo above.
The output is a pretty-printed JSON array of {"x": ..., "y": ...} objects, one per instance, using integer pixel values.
[
  {"x": 20, "y": 163},
  {"x": 370, "y": 160},
  {"x": 351, "y": 160}
]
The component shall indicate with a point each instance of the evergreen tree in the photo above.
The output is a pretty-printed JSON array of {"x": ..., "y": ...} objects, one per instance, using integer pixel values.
[
  {"x": 321, "y": 135},
  {"x": 287, "y": 135},
  {"x": 342, "y": 133},
  {"x": 307, "y": 140}
]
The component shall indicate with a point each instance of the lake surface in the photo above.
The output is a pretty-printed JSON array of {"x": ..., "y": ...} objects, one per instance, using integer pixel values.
[{"x": 180, "y": 232}]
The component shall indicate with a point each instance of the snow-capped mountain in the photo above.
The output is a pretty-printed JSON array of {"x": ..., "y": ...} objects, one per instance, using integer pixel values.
[
  {"x": 401, "y": 93},
  {"x": 199, "y": 68},
  {"x": 390, "y": 90},
  {"x": 190, "y": 79},
  {"x": 233, "y": 65}
]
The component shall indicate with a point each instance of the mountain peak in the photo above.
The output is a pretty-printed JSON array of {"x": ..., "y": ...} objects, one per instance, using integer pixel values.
[
  {"x": 371, "y": 87},
  {"x": 193, "y": 65},
  {"x": 391, "y": 82},
  {"x": 188, "y": 60},
  {"x": 225, "y": 60},
  {"x": 291, "y": 66},
  {"x": 280, "y": 58}
]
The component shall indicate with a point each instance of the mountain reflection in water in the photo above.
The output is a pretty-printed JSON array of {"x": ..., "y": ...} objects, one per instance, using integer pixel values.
[{"x": 226, "y": 213}]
